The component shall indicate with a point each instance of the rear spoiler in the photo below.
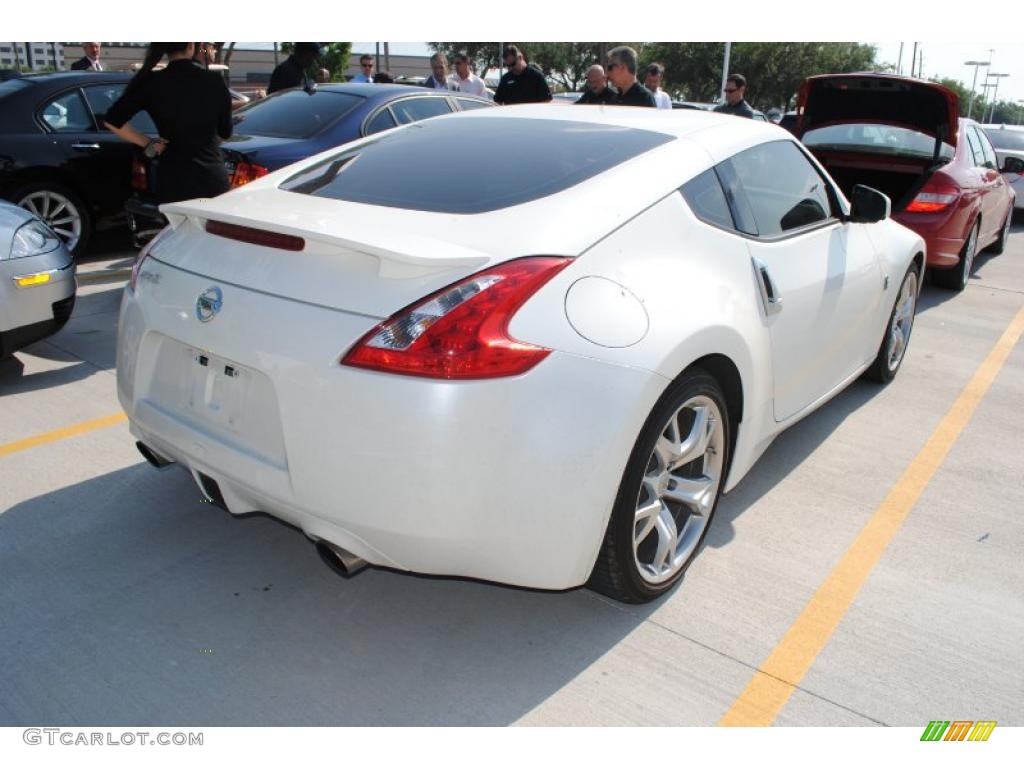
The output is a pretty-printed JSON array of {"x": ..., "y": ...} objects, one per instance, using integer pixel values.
[{"x": 388, "y": 245}]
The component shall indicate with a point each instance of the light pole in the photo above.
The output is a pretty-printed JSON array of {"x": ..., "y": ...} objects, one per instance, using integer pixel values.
[
  {"x": 1020, "y": 118},
  {"x": 974, "y": 82},
  {"x": 995, "y": 92}
]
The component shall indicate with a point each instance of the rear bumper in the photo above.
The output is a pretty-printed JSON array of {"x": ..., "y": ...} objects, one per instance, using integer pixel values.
[
  {"x": 944, "y": 233},
  {"x": 508, "y": 480}
]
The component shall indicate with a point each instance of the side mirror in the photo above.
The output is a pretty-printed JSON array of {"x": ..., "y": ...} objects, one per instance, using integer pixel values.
[
  {"x": 868, "y": 205},
  {"x": 1013, "y": 165}
]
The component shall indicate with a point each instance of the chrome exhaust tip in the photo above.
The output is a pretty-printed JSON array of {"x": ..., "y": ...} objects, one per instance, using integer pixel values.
[
  {"x": 340, "y": 559},
  {"x": 153, "y": 457}
]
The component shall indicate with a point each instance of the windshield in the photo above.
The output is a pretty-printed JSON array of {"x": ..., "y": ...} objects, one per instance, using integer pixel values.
[
  {"x": 1003, "y": 138},
  {"x": 295, "y": 114},
  {"x": 465, "y": 165},
  {"x": 876, "y": 139}
]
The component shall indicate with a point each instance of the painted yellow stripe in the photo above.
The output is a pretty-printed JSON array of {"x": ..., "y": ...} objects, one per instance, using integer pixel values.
[
  {"x": 772, "y": 685},
  {"x": 62, "y": 434}
]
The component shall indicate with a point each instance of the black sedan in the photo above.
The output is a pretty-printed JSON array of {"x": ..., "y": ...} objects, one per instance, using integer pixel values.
[{"x": 56, "y": 159}]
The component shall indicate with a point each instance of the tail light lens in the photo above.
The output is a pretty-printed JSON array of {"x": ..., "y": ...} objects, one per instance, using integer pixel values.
[
  {"x": 461, "y": 332},
  {"x": 139, "y": 179},
  {"x": 246, "y": 172},
  {"x": 934, "y": 198}
]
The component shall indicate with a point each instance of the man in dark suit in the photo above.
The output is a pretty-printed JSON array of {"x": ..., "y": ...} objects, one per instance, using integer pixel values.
[
  {"x": 438, "y": 79},
  {"x": 293, "y": 72},
  {"x": 91, "y": 60}
]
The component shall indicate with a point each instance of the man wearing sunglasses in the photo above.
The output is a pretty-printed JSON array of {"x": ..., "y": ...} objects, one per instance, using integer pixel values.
[
  {"x": 622, "y": 72},
  {"x": 365, "y": 70},
  {"x": 735, "y": 104}
]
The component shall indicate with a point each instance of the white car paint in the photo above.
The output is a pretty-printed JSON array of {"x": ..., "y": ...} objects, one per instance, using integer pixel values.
[{"x": 509, "y": 479}]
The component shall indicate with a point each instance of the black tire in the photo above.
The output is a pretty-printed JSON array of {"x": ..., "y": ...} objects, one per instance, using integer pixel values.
[
  {"x": 38, "y": 189},
  {"x": 955, "y": 279},
  {"x": 616, "y": 572},
  {"x": 1004, "y": 235},
  {"x": 882, "y": 370}
]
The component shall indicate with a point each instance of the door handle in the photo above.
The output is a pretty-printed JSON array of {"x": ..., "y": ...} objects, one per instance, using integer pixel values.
[
  {"x": 85, "y": 146},
  {"x": 770, "y": 296}
]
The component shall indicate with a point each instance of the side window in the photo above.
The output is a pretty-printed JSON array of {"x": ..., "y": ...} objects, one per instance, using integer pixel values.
[
  {"x": 68, "y": 114},
  {"x": 706, "y": 199},
  {"x": 380, "y": 122},
  {"x": 986, "y": 148},
  {"x": 101, "y": 97},
  {"x": 411, "y": 110},
  {"x": 465, "y": 104},
  {"x": 977, "y": 154},
  {"x": 784, "y": 190}
]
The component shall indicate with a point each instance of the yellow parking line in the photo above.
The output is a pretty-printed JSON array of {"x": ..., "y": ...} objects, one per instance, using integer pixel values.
[
  {"x": 772, "y": 685},
  {"x": 62, "y": 434}
]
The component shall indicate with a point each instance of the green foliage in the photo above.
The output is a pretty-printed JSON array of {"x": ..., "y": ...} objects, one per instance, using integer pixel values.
[{"x": 774, "y": 71}]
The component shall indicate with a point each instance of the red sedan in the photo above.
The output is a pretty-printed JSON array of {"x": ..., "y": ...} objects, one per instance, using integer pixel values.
[{"x": 904, "y": 137}]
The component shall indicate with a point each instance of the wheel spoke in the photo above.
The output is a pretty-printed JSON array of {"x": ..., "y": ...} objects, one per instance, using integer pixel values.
[
  {"x": 667, "y": 451},
  {"x": 696, "y": 443},
  {"x": 65, "y": 220},
  {"x": 62, "y": 204},
  {"x": 65, "y": 233},
  {"x": 696, "y": 493},
  {"x": 668, "y": 540},
  {"x": 30, "y": 203},
  {"x": 47, "y": 199},
  {"x": 646, "y": 517}
]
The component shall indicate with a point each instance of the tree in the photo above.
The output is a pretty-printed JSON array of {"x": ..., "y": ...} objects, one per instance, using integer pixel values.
[{"x": 774, "y": 71}]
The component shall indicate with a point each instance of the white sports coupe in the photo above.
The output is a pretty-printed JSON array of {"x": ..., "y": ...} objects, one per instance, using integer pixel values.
[{"x": 526, "y": 345}]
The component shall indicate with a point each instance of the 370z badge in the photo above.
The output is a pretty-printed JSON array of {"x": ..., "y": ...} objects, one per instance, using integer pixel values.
[{"x": 209, "y": 303}]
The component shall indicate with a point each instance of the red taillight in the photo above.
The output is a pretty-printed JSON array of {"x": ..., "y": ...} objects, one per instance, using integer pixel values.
[
  {"x": 461, "y": 332},
  {"x": 246, "y": 172},
  {"x": 255, "y": 236},
  {"x": 934, "y": 198},
  {"x": 139, "y": 181}
]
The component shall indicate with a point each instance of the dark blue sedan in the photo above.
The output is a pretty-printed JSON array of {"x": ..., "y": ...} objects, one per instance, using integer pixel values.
[{"x": 294, "y": 124}]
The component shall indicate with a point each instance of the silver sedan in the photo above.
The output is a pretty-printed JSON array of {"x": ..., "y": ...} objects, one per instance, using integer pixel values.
[{"x": 37, "y": 280}]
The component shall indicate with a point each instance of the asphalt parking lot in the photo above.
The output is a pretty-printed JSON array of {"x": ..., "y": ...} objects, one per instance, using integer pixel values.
[{"x": 127, "y": 599}]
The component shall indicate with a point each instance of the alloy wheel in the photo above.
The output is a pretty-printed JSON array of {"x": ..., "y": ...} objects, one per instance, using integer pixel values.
[
  {"x": 58, "y": 212},
  {"x": 902, "y": 321},
  {"x": 679, "y": 489},
  {"x": 969, "y": 252}
]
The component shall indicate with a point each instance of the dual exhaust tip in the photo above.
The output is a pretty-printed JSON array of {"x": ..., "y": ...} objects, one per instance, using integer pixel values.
[{"x": 337, "y": 558}]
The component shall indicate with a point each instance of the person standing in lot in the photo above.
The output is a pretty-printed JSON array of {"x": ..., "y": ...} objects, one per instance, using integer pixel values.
[
  {"x": 293, "y": 72},
  {"x": 464, "y": 78},
  {"x": 597, "y": 90},
  {"x": 622, "y": 73},
  {"x": 438, "y": 79},
  {"x": 522, "y": 84},
  {"x": 735, "y": 103},
  {"x": 91, "y": 60},
  {"x": 191, "y": 108},
  {"x": 653, "y": 76},
  {"x": 365, "y": 70}
]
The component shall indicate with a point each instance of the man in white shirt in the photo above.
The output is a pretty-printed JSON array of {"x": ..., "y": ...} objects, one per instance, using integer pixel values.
[
  {"x": 91, "y": 60},
  {"x": 464, "y": 78},
  {"x": 652, "y": 79}
]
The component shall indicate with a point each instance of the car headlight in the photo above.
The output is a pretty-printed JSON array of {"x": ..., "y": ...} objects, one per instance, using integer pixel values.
[{"x": 33, "y": 238}]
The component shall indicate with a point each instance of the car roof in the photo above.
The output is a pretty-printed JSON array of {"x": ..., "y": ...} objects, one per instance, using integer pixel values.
[{"x": 68, "y": 78}]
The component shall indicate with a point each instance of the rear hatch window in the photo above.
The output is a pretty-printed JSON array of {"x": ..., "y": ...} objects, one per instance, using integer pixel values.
[
  {"x": 295, "y": 114},
  {"x": 472, "y": 166},
  {"x": 876, "y": 140}
]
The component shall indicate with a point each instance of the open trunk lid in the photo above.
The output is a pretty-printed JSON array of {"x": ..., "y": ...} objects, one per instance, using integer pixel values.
[{"x": 919, "y": 105}]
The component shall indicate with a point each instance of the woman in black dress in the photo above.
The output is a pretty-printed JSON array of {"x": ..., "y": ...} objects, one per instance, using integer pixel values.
[{"x": 191, "y": 108}]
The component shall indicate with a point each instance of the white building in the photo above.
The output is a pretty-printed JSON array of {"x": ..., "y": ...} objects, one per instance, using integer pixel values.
[{"x": 32, "y": 56}]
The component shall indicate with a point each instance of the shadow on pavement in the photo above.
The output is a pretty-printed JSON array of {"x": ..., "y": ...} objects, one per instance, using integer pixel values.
[{"x": 118, "y": 611}]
